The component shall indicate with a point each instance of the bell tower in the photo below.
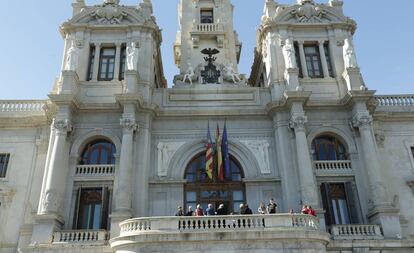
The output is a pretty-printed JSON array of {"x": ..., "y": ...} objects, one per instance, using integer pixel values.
[{"x": 207, "y": 49}]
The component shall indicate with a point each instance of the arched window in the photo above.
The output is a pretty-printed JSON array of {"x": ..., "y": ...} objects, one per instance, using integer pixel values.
[
  {"x": 99, "y": 152},
  {"x": 328, "y": 148},
  {"x": 200, "y": 189}
]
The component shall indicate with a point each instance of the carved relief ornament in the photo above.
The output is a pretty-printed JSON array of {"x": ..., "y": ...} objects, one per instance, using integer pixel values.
[
  {"x": 166, "y": 151},
  {"x": 359, "y": 121},
  {"x": 308, "y": 12},
  {"x": 129, "y": 124},
  {"x": 109, "y": 13},
  {"x": 298, "y": 122},
  {"x": 62, "y": 125},
  {"x": 260, "y": 149}
]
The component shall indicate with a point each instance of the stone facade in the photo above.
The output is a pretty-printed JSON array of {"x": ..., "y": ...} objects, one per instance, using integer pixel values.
[{"x": 305, "y": 84}]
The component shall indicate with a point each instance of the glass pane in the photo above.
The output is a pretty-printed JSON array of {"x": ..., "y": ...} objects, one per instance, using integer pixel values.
[
  {"x": 97, "y": 217},
  {"x": 343, "y": 207},
  {"x": 335, "y": 212},
  {"x": 93, "y": 159},
  {"x": 191, "y": 196},
  {"x": 86, "y": 214},
  {"x": 310, "y": 50},
  {"x": 238, "y": 195},
  {"x": 108, "y": 52}
]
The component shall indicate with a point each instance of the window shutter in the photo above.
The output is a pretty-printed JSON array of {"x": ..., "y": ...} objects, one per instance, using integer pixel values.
[
  {"x": 353, "y": 203},
  {"x": 77, "y": 207},
  {"x": 327, "y": 203}
]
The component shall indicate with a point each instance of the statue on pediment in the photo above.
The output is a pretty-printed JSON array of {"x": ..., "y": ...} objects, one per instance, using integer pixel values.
[
  {"x": 289, "y": 54},
  {"x": 190, "y": 74},
  {"x": 229, "y": 74},
  {"x": 349, "y": 54}
]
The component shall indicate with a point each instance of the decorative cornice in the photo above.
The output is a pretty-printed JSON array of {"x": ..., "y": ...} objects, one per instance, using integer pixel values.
[
  {"x": 297, "y": 122},
  {"x": 129, "y": 124},
  {"x": 361, "y": 120}
]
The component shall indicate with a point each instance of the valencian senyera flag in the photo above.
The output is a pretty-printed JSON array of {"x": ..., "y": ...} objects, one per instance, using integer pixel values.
[
  {"x": 226, "y": 158},
  {"x": 209, "y": 154},
  {"x": 220, "y": 172}
]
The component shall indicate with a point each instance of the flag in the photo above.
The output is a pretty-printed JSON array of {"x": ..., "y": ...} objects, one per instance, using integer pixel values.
[
  {"x": 209, "y": 154},
  {"x": 220, "y": 171},
  {"x": 225, "y": 150}
]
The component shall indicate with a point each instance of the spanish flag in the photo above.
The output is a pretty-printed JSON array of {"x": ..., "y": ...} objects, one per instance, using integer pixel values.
[
  {"x": 220, "y": 171},
  {"x": 209, "y": 154}
]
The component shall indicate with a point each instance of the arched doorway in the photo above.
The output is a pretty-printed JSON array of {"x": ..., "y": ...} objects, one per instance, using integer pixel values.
[{"x": 199, "y": 189}]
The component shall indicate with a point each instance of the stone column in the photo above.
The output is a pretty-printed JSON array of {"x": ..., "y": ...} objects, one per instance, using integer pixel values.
[
  {"x": 123, "y": 197},
  {"x": 96, "y": 62},
  {"x": 306, "y": 177},
  {"x": 363, "y": 121},
  {"x": 52, "y": 201},
  {"x": 117, "y": 61},
  {"x": 303, "y": 60},
  {"x": 323, "y": 59}
]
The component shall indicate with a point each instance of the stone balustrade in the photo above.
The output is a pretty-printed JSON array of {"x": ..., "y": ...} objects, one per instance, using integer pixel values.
[
  {"x": 95, "y": 170},
  {"x": 356, "y": 232},
  {"x": 152, "y": 225},
  {"x": 22, "y": 105},
  {"x": 395, "y": 100},
  {"x": 333, "y": 167},
  {"x": 208, "y": 27},
  {"x": 81, "y": 236}
]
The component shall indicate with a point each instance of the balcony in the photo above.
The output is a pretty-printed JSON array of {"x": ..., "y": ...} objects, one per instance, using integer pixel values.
[
  {"x": 208, "y": 31},
  {"x": 89, "y": 237},
  {"x": 356, "y": 232},
  {"x": 207, "y": 28},
  {"x": 330, "y": 168},
  {"x": 395, "y": 100},
  {"x": 95, "y": 171},
  {"x": 255, "y": 232}
]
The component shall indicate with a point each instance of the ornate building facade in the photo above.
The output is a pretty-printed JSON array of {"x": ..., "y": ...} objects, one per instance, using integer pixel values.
[{"x": 102, "y": 165}]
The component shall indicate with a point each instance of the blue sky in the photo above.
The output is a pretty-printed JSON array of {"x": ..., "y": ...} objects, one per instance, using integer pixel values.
[{"x": 32, "y": 46}]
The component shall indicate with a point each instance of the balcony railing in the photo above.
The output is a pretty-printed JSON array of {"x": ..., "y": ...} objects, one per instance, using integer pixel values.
[
  {"x": 333, "y": 167},
  {"x": 217, "y": 223},
  {"x": 81, "y": 236},
  {"x": 356, "y": 232},
  {"x": 22, "y": 105},
  {"x": 208, "y": 27},
  {"x": 95, "y": 170},
  {"x": 395, "y": 100}
]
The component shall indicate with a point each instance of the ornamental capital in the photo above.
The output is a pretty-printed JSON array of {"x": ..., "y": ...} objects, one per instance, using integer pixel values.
[
  {"x": 129, "y": 124},
  {"x": 361, "y": 120},
  {"x": 62, "y": 125},
  {"x": 298, "y": 122}
]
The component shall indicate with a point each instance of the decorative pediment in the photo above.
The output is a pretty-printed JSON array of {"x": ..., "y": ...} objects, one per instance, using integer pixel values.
[
  {"x": 110, "y": 13},
  {"x": 308, "y": 12}
]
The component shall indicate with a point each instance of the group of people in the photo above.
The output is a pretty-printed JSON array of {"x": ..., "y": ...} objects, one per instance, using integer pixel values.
[{"x": 270, "y": 208}]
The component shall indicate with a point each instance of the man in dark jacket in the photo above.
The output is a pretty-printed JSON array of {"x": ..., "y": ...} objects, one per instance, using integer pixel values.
[{"x": 221, "y": 210}]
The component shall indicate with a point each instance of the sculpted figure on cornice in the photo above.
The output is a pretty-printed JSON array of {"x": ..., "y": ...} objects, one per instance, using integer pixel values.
[
  {"x": 308, "y": 12},
  {"x": 349, "y": 54},
  {"x": 72, "y": 57},
  {"x": 289, "y": 54},
  {"x": 229, "y": 74}
]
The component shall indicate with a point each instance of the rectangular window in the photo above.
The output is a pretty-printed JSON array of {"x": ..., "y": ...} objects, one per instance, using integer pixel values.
[
  {"x": 298, "y": 62},
  {"x": 107, "y": 64},
  {"x": 93, "y": 208},
  {"x": 91, "y": 63},
  {"x": 328, "y": 59},
  {"x": 340, "y": 203},
  {"x": 313, "y": 61},
  {"x": 4, "y": 161},
  {"x": 206, "y": 16},
  {"x": 412, "y": 151},
  {"x": 122, "y": 64}
]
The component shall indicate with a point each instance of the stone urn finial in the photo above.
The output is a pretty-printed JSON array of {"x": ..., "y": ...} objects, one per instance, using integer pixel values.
[
  {"x": 113, "y": 2},
  {"x": 305, "y": 1}
]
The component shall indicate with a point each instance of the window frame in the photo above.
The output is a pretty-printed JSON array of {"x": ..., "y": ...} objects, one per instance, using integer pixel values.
[
  {"x": 310, "y": 65},
  {"x": 122, "y": 63},
  {"x": 329, "y": 59},
  {"x": 106, "y": 208},
  {"x": 91, "y": 146},
  {"x": 228, "y": 186},
  {"x": 107, "y": 59},
  {"x": 5, "y": 165},
  {"x": 91, "y": 62},
  {"x": 337, "y": 144},
  {"x": 203, "y": 19}
]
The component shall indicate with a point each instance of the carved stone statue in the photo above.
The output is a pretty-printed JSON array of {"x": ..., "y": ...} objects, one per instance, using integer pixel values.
[
  {"x": 289, "y": 54},
  {"x": 132, "y": 56},
  {"x": 349, "y": 55},
  {"x": 231, "y": 74},
  {"x": 166, "y": 151},
  {"x": 189, "y": 75},
  {"x": 72, "y": 56}
]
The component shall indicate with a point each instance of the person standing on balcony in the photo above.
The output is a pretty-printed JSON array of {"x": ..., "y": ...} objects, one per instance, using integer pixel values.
[
  {"x": 272, "y": 206},
  {"x": 262, "y": 208},
  {"x": 311, "y": 211},
  {"x": 180, "y": 211},
  {"x": 248, "y": 210},
  {"x": 190, "y": 211},
  {"x": 221, "y": 210},
  {"x": 210, "y": 210},
  {"x": 199, "y": 211},
  {"x": 305, "y": 209}
]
